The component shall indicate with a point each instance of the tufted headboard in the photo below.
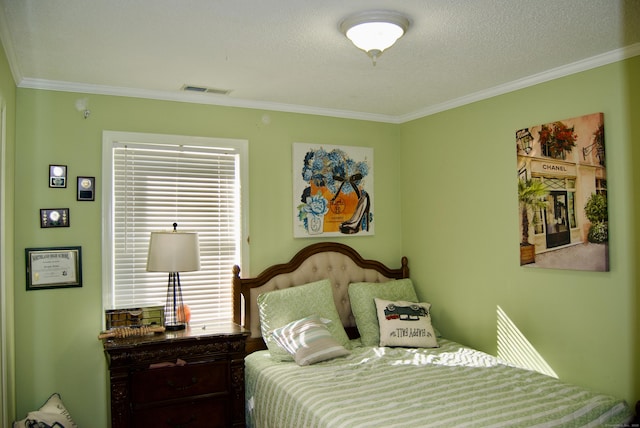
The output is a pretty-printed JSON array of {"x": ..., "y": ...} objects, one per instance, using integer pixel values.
[{"x": 338, "y": 262}]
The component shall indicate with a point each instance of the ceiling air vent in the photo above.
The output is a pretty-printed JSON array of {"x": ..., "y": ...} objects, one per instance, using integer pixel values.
[{"x": 204, "y": 89}]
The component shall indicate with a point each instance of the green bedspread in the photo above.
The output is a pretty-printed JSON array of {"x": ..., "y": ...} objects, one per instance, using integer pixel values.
[{"x": 451, "y": 386}]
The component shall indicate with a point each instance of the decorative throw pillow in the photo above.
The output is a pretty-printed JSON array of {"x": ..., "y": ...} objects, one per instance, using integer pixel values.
[
  {"x": 53, "y": 413},
  {"x": 406, "y": 324},
  {"x": 362, "y": 295},
  {"x": 309, "y": 341},
  {"x": 280, "y": 307}
]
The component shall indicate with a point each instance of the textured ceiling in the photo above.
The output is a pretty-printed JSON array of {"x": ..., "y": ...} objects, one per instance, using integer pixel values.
[{"x": 290, "y": 55}]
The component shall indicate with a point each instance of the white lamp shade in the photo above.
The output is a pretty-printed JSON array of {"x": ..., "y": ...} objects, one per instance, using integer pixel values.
[
  {"x": 173, "y": 252},
  {"x": 374, "y": 35},
  {"x": 374, "y": 31}
]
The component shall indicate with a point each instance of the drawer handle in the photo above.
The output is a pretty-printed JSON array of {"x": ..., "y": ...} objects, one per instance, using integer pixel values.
[
  {"x": 191, "y": 420},
  {"x": 194, "y": 381}
]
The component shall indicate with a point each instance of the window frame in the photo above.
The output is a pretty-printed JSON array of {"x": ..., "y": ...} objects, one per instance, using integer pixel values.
[{"x": 109, "y": 138}]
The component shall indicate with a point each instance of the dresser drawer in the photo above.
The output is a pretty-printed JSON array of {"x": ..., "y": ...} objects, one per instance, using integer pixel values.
[
  {"x": 207, "y": 392},
  {"x": 206, "y": 413},
  {"x": 170, "y": 383}
]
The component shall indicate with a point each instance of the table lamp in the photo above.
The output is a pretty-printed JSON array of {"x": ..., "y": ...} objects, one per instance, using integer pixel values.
[{"x": 174, "y": 252}]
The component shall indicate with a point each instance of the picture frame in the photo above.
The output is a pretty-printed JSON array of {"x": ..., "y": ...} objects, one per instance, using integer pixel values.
[
  {"x": 57, "y": 176},
  {"x": 562, "y": 194},
  {"x": 54, "y": 217},
  {"x": 86, "y": 188},
  {"x": 53, "y": 267},
  {"x": 333, "y": 193}
]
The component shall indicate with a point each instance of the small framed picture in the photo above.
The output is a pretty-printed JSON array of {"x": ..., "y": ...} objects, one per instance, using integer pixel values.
[
  {"x": 86, "y": 188},
  {"x": 57, "y": 176},
  {"x": 54, "y": 267},
  {"x": 54, "y": 217}
]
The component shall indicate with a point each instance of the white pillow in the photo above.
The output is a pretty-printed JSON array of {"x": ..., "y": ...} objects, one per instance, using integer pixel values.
[
  {"x": 51, "y": 414},
  {"x": 308, "y": 340},
  {"x": 406, "y": 324},
  {"x": 280, "y": 307}
]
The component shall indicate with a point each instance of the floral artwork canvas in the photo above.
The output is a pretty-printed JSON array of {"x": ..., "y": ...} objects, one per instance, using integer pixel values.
[
  {"x": 562, "y": 194},
  {"x": 332, "y": 191}
]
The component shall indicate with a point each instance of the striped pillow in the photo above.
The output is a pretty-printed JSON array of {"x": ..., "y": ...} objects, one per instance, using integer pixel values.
[{"x": 308, "y": 340}]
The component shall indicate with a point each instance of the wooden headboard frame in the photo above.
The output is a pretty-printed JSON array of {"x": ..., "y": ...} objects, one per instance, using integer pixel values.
[{"x": 338, "y": 262}]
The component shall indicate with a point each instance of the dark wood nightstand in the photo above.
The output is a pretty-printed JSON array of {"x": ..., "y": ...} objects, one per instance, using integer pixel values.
[{"x": 200, "y": 386}]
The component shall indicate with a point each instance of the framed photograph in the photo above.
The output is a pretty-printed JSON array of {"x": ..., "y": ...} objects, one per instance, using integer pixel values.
[
  {"x": 57, "y": 176},
  {"x": 54, "y": 217},
  {"x": 86, "y": 188},
  {"x": 54, "y": 267}
]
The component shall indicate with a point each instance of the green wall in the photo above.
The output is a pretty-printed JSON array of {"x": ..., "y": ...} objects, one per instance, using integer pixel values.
[
  {"x": 632, "y": 80},
  {"x": 460, "y": 229},
  {"x": 8, "y": 104},
  {"x": 56, "y": 330}
]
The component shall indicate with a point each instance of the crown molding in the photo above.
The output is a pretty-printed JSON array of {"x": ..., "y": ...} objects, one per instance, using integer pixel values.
[
  {"x": 545, "y": 76},
  {"x": 226, "y": 101},
  {"x": 198, "y": 98}
]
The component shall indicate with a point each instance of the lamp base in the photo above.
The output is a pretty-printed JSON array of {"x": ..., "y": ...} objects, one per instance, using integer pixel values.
[
  {"x": 175, "y": 327},
  {"x": 172, "y": 320}
]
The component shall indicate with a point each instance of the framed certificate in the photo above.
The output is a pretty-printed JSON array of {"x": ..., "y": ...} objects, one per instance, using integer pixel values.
[{"x": 55, "y": 267}]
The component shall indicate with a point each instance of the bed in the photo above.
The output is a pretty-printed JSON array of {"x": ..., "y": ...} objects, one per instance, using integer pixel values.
[{"x": 316, "y": 358}]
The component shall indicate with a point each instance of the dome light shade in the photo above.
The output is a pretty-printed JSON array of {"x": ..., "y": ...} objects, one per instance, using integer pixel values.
[
  {"x": 374, "y": 31},
  {"x": 374, "y": 35}
]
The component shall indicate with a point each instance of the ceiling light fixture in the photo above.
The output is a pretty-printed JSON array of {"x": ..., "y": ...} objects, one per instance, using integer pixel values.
[{"x": 375, "y": 31}]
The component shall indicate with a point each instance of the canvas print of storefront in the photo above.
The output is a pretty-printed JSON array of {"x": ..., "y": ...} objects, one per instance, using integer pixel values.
[
  {"x": 332, "y": 191},
  {"x": 562, "y": 194}
]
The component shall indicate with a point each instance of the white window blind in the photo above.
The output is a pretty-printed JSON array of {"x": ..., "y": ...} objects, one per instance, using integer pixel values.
[{"x": 199, "y": 188}]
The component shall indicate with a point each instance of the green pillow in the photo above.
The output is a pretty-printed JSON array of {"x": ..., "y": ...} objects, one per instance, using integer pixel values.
[
  {"x": 280, "y": 307},
  {"x": 362, "y": 296}
]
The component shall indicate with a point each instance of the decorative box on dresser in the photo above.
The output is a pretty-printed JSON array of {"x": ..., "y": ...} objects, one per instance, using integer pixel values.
[{"x": 191, "y": 379}]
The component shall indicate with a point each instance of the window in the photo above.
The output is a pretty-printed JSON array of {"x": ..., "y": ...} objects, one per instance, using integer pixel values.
[
  {"x": 568, "y": 185},
  {"x": 151, "y": 181}
]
